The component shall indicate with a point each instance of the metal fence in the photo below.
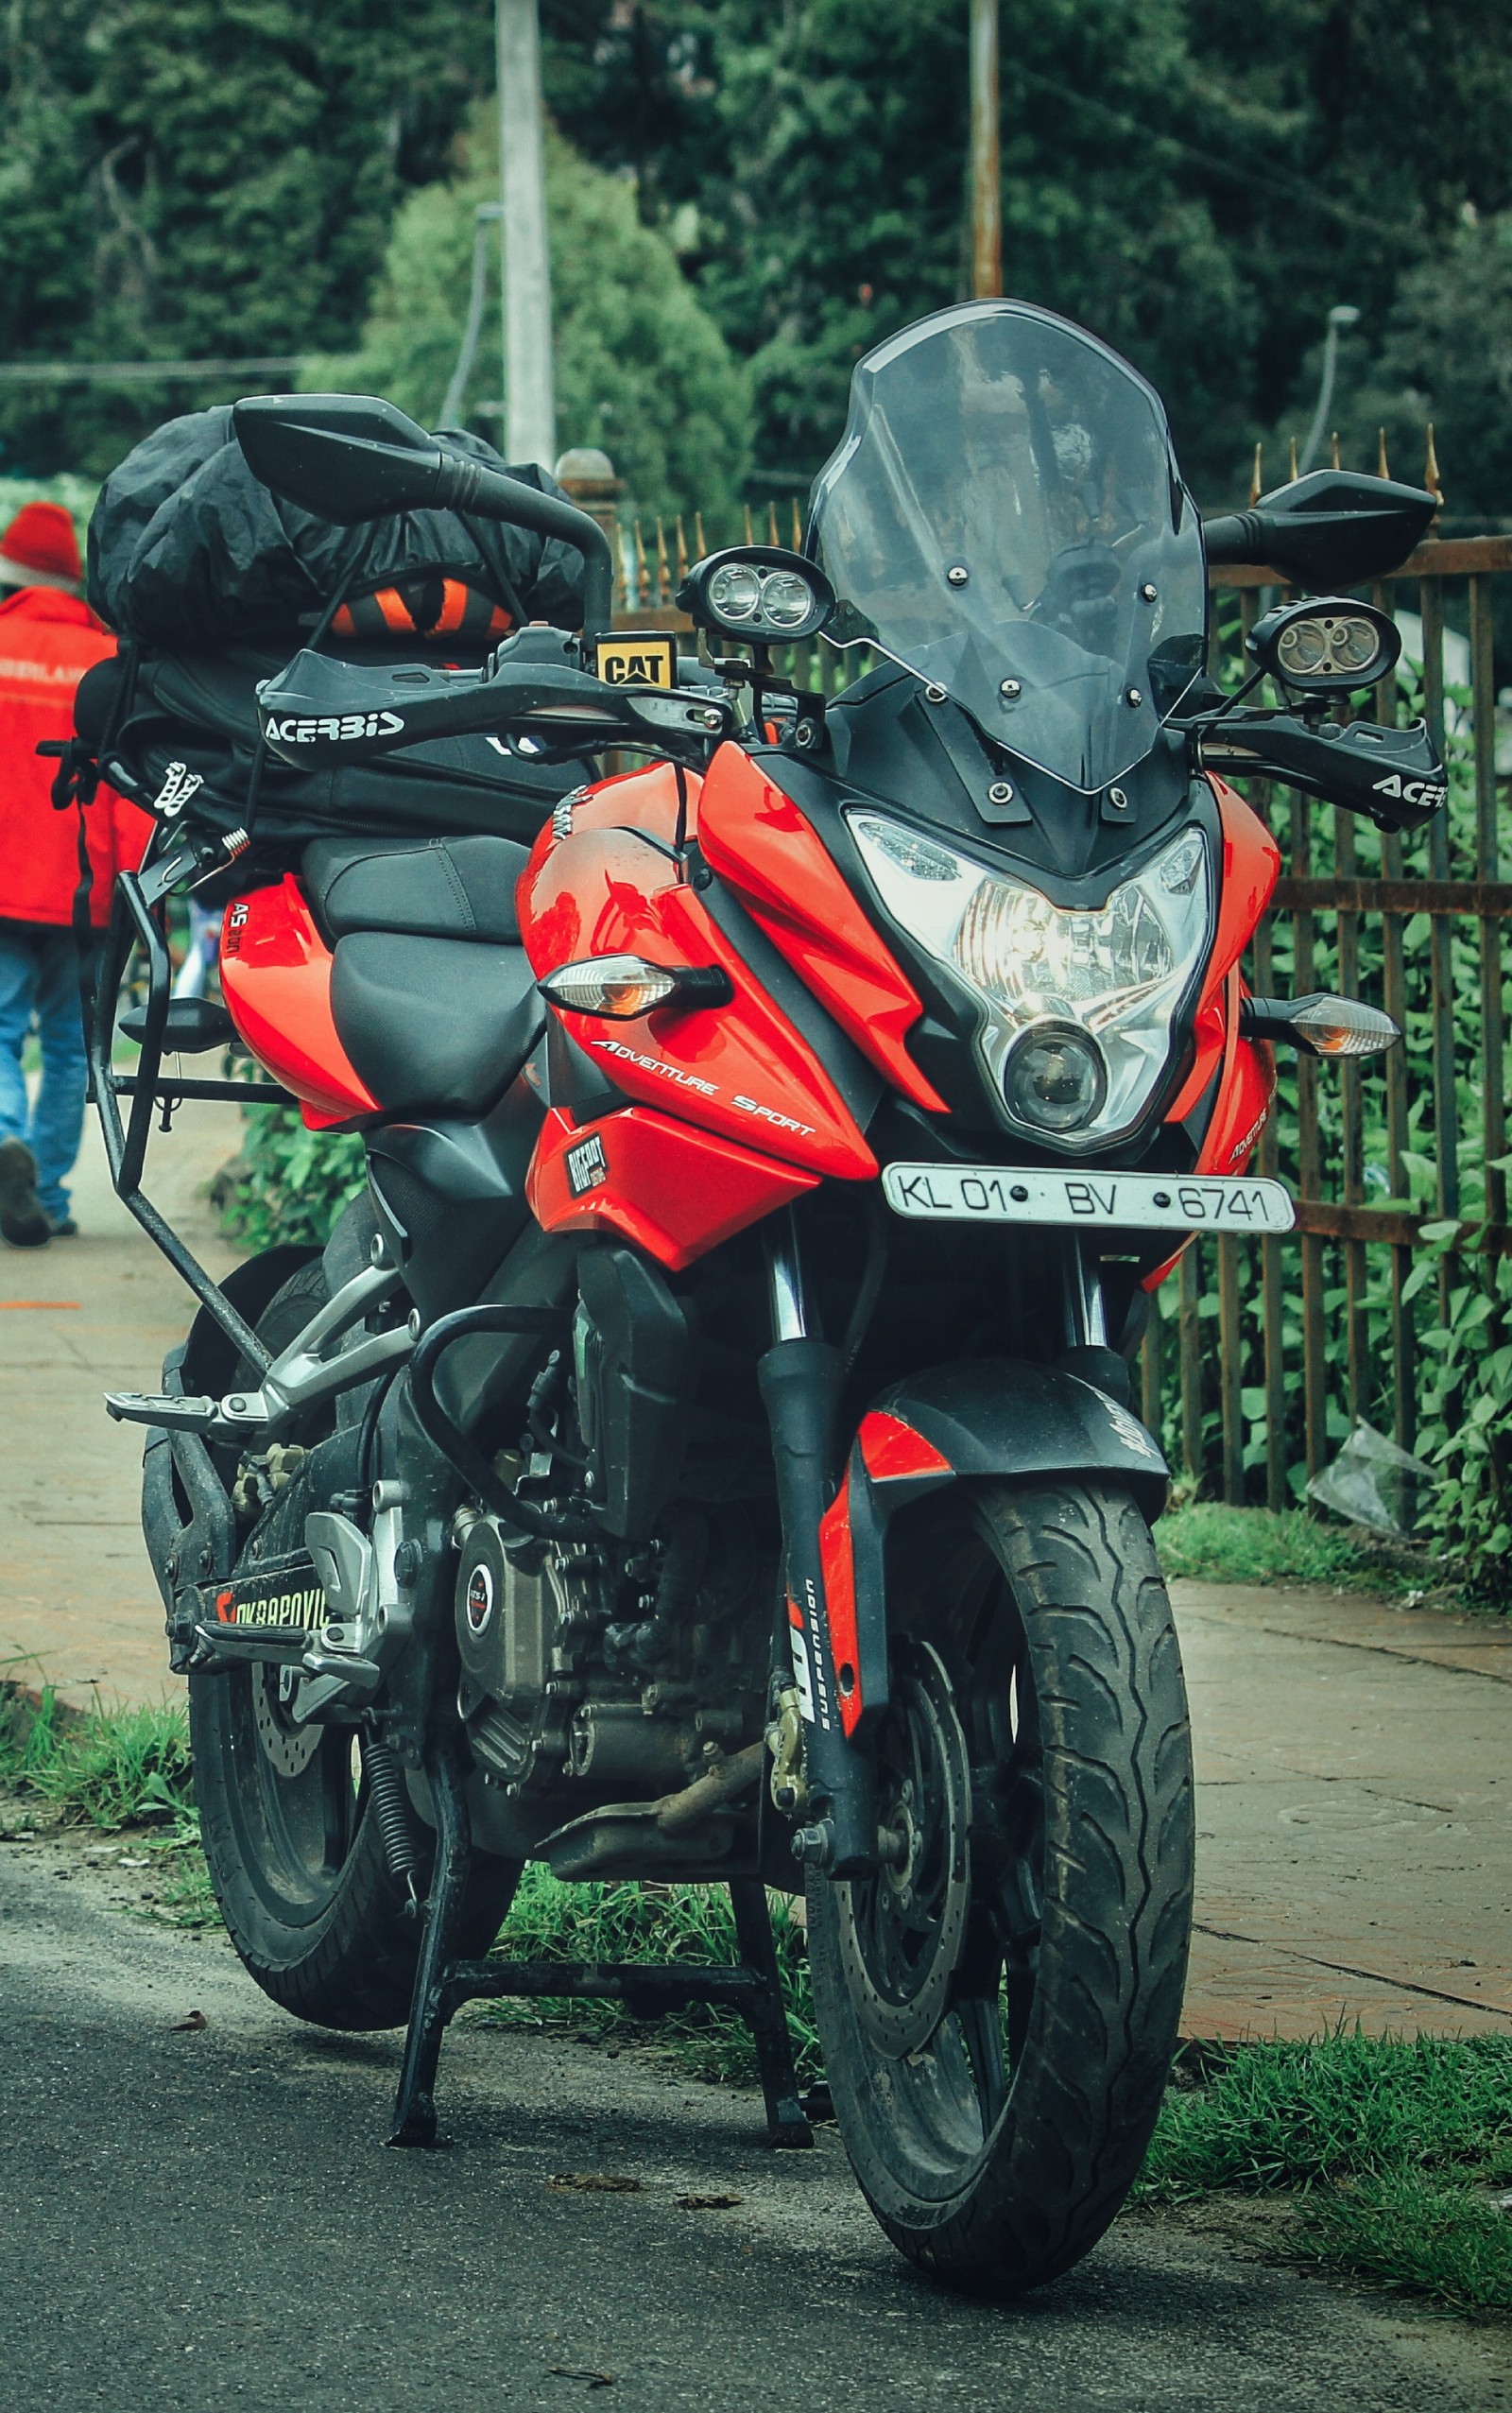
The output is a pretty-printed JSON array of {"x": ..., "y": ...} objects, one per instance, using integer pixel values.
[
  {"x": 1264, "y": 1356},
  {"x": 1274, "y": 1352}
]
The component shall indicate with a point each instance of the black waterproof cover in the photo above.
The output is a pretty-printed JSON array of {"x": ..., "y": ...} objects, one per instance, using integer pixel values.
[{"x": 187, "y": 548}]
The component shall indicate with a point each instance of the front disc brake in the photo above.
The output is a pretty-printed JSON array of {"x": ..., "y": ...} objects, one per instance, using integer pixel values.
[{"x": 901, "y": 1932}]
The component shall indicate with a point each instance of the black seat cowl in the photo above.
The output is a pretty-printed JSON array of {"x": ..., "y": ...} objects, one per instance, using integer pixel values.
[
  {"x": 434, "y": 1026},
  {"x": 439, "y": 887}
]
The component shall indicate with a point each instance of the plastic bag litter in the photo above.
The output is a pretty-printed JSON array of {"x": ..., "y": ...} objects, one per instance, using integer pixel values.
[{"x": 1373, "y": 1482}]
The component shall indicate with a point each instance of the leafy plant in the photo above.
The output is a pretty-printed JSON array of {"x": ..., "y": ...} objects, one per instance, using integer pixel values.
[{"x": 289, "y": 1184}]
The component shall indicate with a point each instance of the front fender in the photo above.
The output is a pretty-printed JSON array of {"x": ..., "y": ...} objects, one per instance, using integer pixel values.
[{"x": 999, "y": 1417}]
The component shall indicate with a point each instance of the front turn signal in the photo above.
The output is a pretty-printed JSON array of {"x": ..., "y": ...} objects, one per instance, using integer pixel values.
[
  {"x": 1319, "y": 1025},
  {"x": 622, "y": 988}
]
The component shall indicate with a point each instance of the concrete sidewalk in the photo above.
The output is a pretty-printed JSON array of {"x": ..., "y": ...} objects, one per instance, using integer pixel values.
[
  {"x": 1354, "y": 1761},
  {"x": 98, "y": 1313}
]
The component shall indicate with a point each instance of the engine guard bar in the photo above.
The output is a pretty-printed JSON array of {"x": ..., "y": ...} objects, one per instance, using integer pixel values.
[
  {"x": 526, "y": 1519},
  {"x": 134, "y": 923}
]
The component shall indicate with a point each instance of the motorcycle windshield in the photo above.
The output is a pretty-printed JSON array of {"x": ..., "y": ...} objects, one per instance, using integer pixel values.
[{"x": 1004, "y": 517}]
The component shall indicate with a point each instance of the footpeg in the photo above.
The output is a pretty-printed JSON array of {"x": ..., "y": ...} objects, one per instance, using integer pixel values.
[{"x": 175, "y": 1415}]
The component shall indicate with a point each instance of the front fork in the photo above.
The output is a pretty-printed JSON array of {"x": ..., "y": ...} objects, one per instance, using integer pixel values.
[{"x": 801, "y": 1379}]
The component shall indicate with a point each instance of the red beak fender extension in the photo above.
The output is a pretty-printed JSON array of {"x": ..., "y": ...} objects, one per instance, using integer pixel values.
[{"x": 1001, "y": 1418}]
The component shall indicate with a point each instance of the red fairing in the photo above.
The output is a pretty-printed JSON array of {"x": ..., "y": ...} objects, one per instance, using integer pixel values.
[
  {"x": 740, "y": 1069},
  {"x": 837, "y": 1565},
  {"x": 674, "y": 1190},
  {"x": 894, "y": 1452},
  {"x": 275, "y": 974},
  {"x": 889, "y": 1453},
  {"x": 755, "y": 837},
  {"x": 1251, "y": 865}
]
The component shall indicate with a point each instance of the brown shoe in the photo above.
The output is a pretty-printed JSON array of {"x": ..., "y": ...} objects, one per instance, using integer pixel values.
[{"x": 23, "y": 1222}]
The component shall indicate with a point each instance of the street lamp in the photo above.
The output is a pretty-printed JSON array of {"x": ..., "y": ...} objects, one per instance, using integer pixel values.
[{"x": 1345, "y": 314}]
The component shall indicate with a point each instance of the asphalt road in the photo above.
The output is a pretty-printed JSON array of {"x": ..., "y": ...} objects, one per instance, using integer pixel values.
[{"x": 207, "y": 2217}]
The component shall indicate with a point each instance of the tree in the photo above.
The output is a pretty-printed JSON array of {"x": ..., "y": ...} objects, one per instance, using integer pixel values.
[
  {"x": 642, "y": 370},
  {"x": 181, "y": 179}
]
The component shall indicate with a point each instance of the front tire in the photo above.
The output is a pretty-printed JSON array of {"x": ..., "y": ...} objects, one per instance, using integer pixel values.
[{"x": 998, "y": 2008}]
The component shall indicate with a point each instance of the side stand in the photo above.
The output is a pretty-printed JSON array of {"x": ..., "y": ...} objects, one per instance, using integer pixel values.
[{"x": 443, "y": 1983}]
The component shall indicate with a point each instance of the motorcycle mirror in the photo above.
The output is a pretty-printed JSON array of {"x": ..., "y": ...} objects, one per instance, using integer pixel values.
[
  {"x": 1336, "y": 525},
  {"x": 346, "y": 458},
  {"x": 758, "y": 593},
  {"x": 349, "y": 458},
  {"x": 1326, "y": 648}
]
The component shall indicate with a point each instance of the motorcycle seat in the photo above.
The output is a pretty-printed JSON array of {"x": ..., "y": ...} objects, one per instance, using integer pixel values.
[
  {"x": 434, "y": 1026},
  {"x": 438, "y": 887}
]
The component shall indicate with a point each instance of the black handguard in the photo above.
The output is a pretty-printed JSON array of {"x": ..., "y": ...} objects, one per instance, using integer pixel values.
[
  {"x": 320, "y": 709},
  {"x": 1394, "y": 775}
]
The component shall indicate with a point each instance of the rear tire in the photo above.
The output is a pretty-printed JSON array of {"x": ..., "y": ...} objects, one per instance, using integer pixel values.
[
  {"x": 998, "y": 2011},
  {"x": 288, "y": 1826}
]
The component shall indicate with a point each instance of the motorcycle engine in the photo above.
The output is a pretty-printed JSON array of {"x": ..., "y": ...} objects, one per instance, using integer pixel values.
[{"x": 553, "y": 1690}]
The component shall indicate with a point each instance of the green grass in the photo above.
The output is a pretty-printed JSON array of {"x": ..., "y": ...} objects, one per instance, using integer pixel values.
[
  {"x": 553, "y": 1922},
  {"x": 1393, "y": 2150},
  {"x": 1258, "y": 1546},
  {"x": 113, "y": 1767}
]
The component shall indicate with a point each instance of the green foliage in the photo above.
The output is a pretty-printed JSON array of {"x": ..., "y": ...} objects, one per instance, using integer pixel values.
[
  {"x": 1395, "y": 2146},
  {"x": 642, "y": 370},
  {"x": 289, "y": 1184},
  {"x": 1253, "y": 1545},
  {"x": 694, "y": 1924},
  {"x": 113, "y": 1767}
]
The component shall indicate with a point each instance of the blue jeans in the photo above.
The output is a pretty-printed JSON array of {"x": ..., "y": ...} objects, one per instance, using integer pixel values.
[{"x": 39, "y": 988}]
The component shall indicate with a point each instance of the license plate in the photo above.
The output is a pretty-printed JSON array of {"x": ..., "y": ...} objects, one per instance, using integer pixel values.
[{"x": 1136, "y": 1201}]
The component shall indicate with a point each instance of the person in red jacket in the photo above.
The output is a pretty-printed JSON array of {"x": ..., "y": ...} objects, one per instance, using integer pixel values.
[{"x": 48, "y": 638}]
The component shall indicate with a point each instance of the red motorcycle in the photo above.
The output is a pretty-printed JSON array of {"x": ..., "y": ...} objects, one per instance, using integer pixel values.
[{"x": 706, "y": 1452}]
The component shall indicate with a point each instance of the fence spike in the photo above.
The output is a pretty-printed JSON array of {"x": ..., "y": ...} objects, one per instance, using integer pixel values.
[
  {"x": 1334, "y": 451},
  {"x": 1430, "y": 478},
  {"x": 797, "y": 528},
  {"x": 1383, "y": 468},
  {"x": 642, "y": 583},
  {"x": 1294, "y": 460},
  {"x": 626, "y": 556},
  {"x": 664, "y": 580},
  {"x": 698, "y": 534},
  {"x": 749, "y": 536},
  {"x": 682, "y": 552},
  {"x": 1256, "y": 488}
]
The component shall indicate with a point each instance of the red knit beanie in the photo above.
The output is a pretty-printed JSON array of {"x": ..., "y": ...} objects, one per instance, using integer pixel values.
[{"x": 39, "y": 549}]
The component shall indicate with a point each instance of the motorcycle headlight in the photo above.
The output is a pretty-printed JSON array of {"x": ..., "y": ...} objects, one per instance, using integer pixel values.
[{"x": 1077, "y": 1003}]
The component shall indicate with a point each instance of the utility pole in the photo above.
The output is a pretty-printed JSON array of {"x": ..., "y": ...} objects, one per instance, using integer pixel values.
[
  {"x": 531, "y": 409},
  {"x": 986, "y": 167}
]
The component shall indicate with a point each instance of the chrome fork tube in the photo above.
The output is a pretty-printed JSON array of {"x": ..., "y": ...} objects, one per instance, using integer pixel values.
[
  {"x": 785, "y": 1277},
  {"x": 1086, "y": 1320}
]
